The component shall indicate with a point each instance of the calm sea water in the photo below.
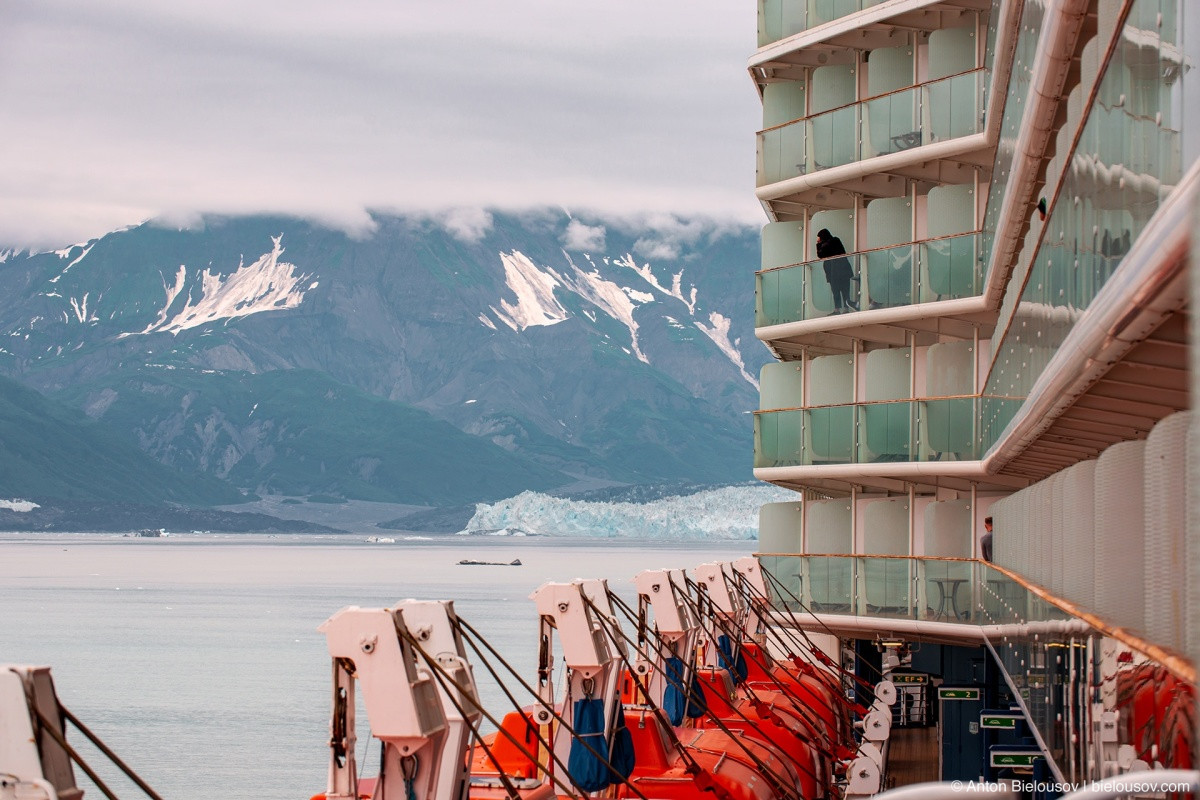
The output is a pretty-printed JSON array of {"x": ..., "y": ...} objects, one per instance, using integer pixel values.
[{"x": 197, "y": 659}]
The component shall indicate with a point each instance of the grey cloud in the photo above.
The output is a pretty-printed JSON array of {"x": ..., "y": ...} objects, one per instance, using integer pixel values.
[{"x": 120, "y": 111}]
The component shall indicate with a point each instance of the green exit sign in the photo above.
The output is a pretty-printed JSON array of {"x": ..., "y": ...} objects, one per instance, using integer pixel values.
[
  {"x": 998, "y": 722},
  {"x": 958, "y": 694},
  {"x": 909, "y": 678},
  {"x": 1002, "y": 759}
]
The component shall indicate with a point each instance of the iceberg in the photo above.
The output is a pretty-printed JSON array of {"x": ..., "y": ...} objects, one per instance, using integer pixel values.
[{"x": 727, "y": 513}]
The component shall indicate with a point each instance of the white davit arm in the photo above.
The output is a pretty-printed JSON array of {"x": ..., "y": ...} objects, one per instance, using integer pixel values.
[
  {"x": 712, "y": 578},
  {"x": 402, "y": 704}
]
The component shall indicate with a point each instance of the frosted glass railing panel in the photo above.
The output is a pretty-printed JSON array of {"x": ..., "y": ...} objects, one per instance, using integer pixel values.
[
  {"x": 890, "y": 277},
  {"x": 948, "y": 430},
  {"x": 915, "y": 272},
  {"x": 781, "y": 153},
  {"x": 830, "y": 435},
  {"x": 779, "y": 19},
  {"x": 952, "y": 267},
  {"x": 891, "y": 123},
  {"x": 903, "y": 431},
  {"x": 834, "y": 138},
  {"x": 885, "y": 432},
  {"x": 778, "y": 439},
  {"x": 954, "y": 106}
]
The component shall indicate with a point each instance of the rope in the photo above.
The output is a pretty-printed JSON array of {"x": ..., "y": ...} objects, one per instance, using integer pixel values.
[
  {"x": 791, "y": 596},
  {"x": 612, "y": 630},
  {"x": 814, "y": 651},
  {"x": 463, "y": 624},
  {"x": 442, "y": 676},
  {"x": 828, "y": 745}
]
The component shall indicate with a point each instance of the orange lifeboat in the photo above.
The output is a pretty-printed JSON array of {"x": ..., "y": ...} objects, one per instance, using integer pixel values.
[{"x": 727, "y": 768}]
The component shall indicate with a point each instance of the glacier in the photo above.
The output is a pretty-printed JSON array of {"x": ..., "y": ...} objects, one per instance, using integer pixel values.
[{"x": 727, "y": 513}]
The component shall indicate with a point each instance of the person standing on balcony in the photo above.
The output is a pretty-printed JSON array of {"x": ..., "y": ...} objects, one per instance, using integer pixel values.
[
  {"x": 985, "y": 543},
  {"x": 837, "y": 270}
]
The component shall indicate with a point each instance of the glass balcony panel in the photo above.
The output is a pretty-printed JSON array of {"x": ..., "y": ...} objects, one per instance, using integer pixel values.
[
  {"x": 949, "y": 429},
  {"x": 782, "y": 153},
  {"x": 891, "y": 123},
  {"x": 886, "y": 587},
  {"x": 953, "y": 268},
  {"x": 949, "y": 591},
  {"x": 890, "y": 277},
  {"x": 822, "y": 11},
  {"x": 953, "y": 106},
  {"x": 781, "y": 296},
  {"x": 829, "y": 587},
  {"x": 833, "y": 138},
  {"x": 885, "y": 432},
  {"x": 830, "y": 433},
  {"x": 779, "y": 438},
  {"x": 779, "y": 19}
]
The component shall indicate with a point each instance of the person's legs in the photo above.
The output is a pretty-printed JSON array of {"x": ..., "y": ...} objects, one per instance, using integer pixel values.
[{"x": 841, "y": 294}]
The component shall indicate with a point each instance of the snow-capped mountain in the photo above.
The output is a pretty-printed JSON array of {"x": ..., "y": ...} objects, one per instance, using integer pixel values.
[{"x": 257, "y": 350}]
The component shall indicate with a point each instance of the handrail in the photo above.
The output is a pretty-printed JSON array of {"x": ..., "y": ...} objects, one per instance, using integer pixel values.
[
  {"x": 1175, "y": 663},
  {"x": 865, "y": 555},
  {"x": 872, "y": 97},
  {"x": 885, "y": 402},
  {"x": 869, "y": 250}
]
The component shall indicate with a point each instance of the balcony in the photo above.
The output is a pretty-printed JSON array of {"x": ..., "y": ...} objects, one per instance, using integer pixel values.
[
  {"x": 938, "y": 429},
  {"x": 779, "y": 19},
  {"x": 946, "y": 268},
  {"x": 906, "y": 119}
]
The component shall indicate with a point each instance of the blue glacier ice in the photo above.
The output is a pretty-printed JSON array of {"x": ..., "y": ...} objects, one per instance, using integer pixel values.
[{"x": 729, "y": 513}]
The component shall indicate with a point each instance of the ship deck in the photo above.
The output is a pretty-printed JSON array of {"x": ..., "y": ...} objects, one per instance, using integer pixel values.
[{"x": 913, "y": 756}]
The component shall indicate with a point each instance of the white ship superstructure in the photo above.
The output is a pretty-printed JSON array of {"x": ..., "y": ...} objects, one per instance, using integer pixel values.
[{"x": 1016, "y": 186}]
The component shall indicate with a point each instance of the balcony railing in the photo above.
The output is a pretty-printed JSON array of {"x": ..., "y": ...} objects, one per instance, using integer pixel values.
[
  {"x": 939, "y": 429},
  {"x": 779, "y": 19},
  {"x": 1043, "y": 642},
  {"x": 948, "y": 108},
  {"x": 904, "y": 587},
  {"x": 918, "y": 272}
]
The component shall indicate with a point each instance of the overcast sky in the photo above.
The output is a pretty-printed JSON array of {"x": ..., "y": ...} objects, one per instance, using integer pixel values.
[{"x": 115, "y": 111}]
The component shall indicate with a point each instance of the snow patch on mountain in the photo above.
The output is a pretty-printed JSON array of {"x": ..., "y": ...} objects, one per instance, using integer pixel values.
[
  {"x": 536, "y": 304},
  {"x": 727, "y": 513},
  {"x": 649, "y": 277},
  {"x": 80, "y": 307},
  {"x": 609, "y": 298},
  {"x": 266, "y": 285},
  {"x": 719, "y": 333}
]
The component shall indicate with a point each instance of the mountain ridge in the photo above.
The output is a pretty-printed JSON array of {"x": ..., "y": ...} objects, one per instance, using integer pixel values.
[{"x": 542, "y": 335}]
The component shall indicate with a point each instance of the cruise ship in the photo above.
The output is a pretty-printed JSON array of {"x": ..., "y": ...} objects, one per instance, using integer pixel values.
[
  {"x": 975, "y": 275},
  {"x": 1005, "y": 344}
]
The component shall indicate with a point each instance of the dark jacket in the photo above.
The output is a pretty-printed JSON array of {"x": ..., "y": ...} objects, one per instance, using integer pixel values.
[{"x": 836, "y": 269}]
